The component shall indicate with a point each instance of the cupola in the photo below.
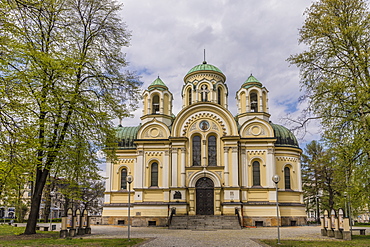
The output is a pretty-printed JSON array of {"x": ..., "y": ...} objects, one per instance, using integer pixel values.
[{"x": 157, "y": 101}]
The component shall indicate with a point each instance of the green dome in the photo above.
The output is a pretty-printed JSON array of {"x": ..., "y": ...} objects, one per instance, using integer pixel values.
[
  {"x": 252, "y": 81},
  {"x": 204, "y": 67},
  {"x": 284, "y": 136},
  {"x": 158, "y": 84},
  {"x": 126, "y": 136}
]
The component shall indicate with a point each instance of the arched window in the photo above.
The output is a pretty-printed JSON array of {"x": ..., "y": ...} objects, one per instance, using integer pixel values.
[
  {"x": 287, "y": 178},
  {"x": 219, "y": 96},
  {"x": 189, "y": 96},
  {"x": 254, "y": 102},
  {"x": 154, "y": 174},
  {"x": 212, "y": 151},
  {"x": 196, "y": 151},
  {"x": 123, "y": 179},
  {"x": 155, "y": 105},
  {"x": 256, "y": 174}
]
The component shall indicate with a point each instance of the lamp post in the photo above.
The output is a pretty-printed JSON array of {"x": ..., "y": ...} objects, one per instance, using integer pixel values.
[
  {"x": 276, "y": 180},
  {"x": 129, "y": 180},
  {"x": 52, "y": 193}
]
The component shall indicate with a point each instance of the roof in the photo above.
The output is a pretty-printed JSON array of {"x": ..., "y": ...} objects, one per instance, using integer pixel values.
[
  {"x": 158, "y": 84},
  {"x": 126, "y": 136},
  {"x": 252, "y": 81},
  {"x": 284, "y": 136},
  {"x": 205, "y": 67}
]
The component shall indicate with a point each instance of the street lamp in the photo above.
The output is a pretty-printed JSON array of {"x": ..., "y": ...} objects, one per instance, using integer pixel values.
[
  {"x": 52, "y": 193},
  {"x": 129, "y": 180},
  {"x": 276, "y": 180}
]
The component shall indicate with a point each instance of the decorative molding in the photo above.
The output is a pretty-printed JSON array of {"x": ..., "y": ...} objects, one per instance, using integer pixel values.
[
  {"x": 203, "y": 115},
  {"x": 174, "y": 150},
  {"x": 124, "y": 161},
  {"x": 226, "y": 149},
  {"x": 270, "y": 151},
  {"x": 286, "y": 158},
  {"x": 214, "y": 127},
  {"x": 256, "y": 152},
  {"x": 153, "y": 153},
  {"x": 140, "y": 152},
  {"x": 234, "y": 149},
  {"x": 193, "y": 127}
]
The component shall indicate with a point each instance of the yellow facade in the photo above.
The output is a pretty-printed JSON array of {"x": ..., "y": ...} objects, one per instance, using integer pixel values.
[{"x": 205, "y": 160}]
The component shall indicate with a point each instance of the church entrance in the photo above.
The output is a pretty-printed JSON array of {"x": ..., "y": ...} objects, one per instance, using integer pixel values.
[{"x": 204, "y": 196}]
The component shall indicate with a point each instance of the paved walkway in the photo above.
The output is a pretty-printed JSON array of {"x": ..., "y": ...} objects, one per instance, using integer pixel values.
[
  {"x": 164, "y": 237},
  {"x": 232, "y": 238}
]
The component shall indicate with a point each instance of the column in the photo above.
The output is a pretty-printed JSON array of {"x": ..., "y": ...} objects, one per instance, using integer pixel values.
[
  {"x": 165, "y": 175},
  {"x": 161, "y": 106},
  {"x": 226, "y": 165},
  {"x": 260, "y": 109},
  {"x": 204, "y": 152},
  {"x": 247, "y": 105},
  {"x": 218, "y": 201},
  {"x": 299, "y": 175},
  {"x": 174, "y": 168},
  {"x": 191, "y": 201},
  {"x": 182, "y": 183},
  {"x": 234, "y": 166},
  {"x": 138, "y": 170},
  {"x": 244, "y": 168},
  {"x": 270, "y": 167},
  {"x": 149, "y": 105}
]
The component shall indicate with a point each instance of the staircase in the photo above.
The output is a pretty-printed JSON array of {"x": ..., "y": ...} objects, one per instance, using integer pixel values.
[{"x": 205, "y": 222}]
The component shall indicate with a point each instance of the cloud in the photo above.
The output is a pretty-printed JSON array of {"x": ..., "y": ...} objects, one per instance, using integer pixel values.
[{"x": 240, "y": 37}]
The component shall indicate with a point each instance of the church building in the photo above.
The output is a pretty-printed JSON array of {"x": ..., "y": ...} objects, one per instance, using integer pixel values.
[{"x": 205, "y": 160}]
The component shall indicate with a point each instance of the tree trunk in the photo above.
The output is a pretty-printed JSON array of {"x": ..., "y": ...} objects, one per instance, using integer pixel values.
[{"x": 41, "y": 177}]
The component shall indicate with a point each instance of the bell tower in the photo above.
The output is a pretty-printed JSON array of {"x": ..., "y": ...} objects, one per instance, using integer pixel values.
[
  {"x": 157, "y": 101},
  {"x": 252, "y": 101}
]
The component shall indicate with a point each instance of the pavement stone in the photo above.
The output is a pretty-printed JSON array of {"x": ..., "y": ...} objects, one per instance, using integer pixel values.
[{"x": 164, "y": 237}]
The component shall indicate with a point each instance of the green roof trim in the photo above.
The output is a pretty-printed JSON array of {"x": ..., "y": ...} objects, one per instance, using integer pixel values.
[
  {"x": 204, "y": 67},
  {"x": 284, "y": 136},
  {"x": 126, "y": 136}
]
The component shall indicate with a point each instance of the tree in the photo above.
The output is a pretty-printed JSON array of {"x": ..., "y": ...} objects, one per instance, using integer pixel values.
[
  {"x": 336, "y": 80},
  {"x": 62, "y": 71},
  {"x": 312, "y": 159}
]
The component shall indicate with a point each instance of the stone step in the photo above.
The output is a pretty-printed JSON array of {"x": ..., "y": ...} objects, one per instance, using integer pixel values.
[{"x": 205, "y": 222}]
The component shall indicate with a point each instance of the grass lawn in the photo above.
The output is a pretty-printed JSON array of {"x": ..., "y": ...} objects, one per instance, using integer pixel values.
[
  {"x": 357, "y": 240},
  {"x": 10, "y": 236}
]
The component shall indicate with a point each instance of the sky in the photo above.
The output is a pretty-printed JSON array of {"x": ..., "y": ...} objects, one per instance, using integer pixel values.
[{"x": 240, "y": 37}]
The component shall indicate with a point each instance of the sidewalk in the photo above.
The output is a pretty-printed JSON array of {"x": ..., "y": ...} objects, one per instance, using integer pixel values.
[{"x": 232, "y": 238}]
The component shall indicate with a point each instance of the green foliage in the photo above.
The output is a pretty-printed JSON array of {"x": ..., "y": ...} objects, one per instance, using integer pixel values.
[
  {"x": 53, "y": 240},
  {"x": 336, "y": 80},
  {"x": 62, "y": 82}
]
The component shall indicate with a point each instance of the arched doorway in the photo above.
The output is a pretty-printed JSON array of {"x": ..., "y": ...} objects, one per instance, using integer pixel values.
[{"x": 204, "y": 196}]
